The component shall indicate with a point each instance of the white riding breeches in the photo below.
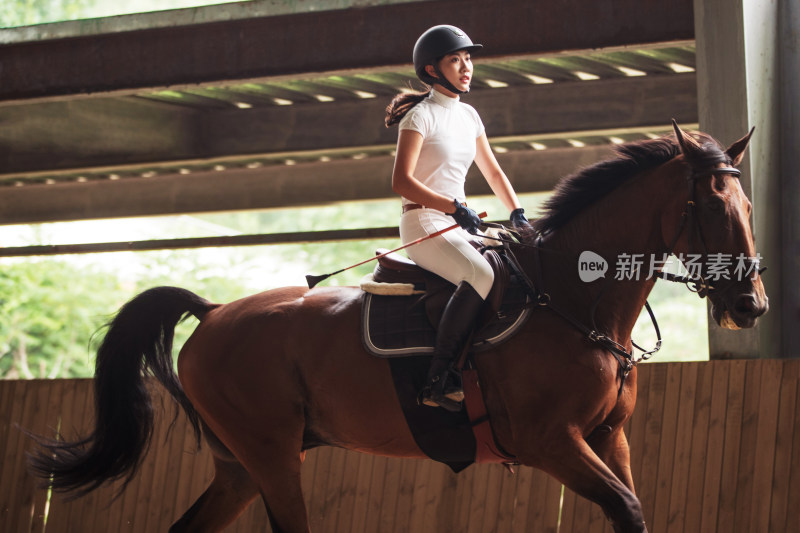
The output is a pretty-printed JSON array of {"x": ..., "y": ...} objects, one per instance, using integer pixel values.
[{"x": 449, "y": 255}]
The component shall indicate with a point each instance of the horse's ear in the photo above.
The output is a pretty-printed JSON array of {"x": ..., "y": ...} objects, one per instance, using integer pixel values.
[
  {"x": 736, "y": 150},
  {"x": 688, "y": 145}
]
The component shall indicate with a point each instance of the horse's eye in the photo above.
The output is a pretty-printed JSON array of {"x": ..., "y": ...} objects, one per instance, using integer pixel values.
[{"x": 715, "y": 204}]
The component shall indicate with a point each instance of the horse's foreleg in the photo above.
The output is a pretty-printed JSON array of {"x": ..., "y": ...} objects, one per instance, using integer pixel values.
[
  {"x": 229, "y": 494},
  {"x": 612, "y": 448},
  {"x": 574, "y": 463}
]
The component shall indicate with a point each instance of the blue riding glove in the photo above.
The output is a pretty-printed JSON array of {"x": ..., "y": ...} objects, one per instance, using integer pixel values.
[
  {"x": 518, "y": 217},
  {"x": 466, "y": 217}
]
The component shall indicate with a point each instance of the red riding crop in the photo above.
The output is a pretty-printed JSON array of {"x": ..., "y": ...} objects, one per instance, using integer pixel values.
[{"x": 313, "y": 280}]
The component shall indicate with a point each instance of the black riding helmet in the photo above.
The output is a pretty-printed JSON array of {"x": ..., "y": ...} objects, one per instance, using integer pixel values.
[{"x": 436, "y": 43}]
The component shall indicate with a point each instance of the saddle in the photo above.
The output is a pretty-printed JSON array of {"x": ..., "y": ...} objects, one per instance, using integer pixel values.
[
  {"x": 397, "y": 326},
  {"x": 403, "y": 329}
]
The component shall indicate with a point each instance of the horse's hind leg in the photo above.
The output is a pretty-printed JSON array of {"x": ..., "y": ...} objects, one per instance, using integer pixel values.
[
  {"x": 279, "y": 480},
  {"x": 273, "y": 459},
  {"x": 229, "y": 494},
  {"x": 575, "y": 464}
]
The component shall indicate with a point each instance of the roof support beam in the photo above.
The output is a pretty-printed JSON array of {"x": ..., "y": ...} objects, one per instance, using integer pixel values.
[
  {"x": 83, "y": 133},
  {"x": 267, "y": 187},
  {"x": 57, "y": 136},
  {"x": 573, "y": 106},
  {"x": 355, "y": 38},
  {"x": 299, "y": 237}
]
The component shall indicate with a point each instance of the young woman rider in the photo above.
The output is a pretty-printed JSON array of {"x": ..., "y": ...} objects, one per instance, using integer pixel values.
[{"x": 439, "y": 138}]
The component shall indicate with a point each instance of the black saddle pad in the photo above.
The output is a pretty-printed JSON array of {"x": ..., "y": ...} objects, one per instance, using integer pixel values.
[
  {"x": 398, "y": 326},
  {"x": 443, "y": 436}
]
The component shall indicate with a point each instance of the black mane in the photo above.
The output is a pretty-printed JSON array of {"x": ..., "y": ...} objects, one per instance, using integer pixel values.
[{"x": 576, "y": 192}]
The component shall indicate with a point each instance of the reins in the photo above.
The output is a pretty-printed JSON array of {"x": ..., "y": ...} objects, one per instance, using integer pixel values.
[
  {"x": 697, "y": 283},
  {"x": 541, "y": 298},
  {"x": 624, "y": 358}
]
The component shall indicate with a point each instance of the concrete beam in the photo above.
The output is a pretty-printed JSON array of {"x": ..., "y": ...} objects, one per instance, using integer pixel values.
[
  {"x": 171, "y": 18},
  {"x": 114, "y": 131},
  {"x": 81, "y": 133},
  {"x": 280, "y": 186},
  {"x": 356, "y": 38},
  {"x": 574, "y": 106}
]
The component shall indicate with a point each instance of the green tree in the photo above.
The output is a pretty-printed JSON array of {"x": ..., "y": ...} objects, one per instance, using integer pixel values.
[
  {"x": 28, "y": 12},
  {"x": 52, "y": 309},
  {"x": 182, "y": 268},
  {"x": 49, "y": 311}
]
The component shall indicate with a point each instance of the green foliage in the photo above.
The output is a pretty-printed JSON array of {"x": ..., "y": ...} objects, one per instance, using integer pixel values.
[
  {"x": 28, "y": 12},
  {"x": 288, "y": 264},
  {"x": 50, "y": 310},
  {"x": 683, "y": 320},
  {"x": 183, "y": 268}
]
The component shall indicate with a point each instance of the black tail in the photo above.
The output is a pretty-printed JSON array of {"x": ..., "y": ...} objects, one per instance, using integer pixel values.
[{"x": 138, "y": 343}]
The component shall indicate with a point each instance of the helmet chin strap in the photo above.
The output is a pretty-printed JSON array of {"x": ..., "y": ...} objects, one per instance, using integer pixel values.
[{"x": 444, "y": 82}]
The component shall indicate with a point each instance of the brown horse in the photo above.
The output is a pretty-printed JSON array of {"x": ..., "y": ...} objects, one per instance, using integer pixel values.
[{"x": 272, "y": 375}]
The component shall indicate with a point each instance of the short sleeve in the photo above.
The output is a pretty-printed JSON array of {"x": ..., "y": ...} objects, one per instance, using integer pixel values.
[
  {"x": 479, "y": 128},
  {"x": 415, "y": 120}
]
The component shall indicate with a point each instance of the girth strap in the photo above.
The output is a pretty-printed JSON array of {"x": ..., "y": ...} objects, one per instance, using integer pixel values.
[{"x": 487, "y": 449}]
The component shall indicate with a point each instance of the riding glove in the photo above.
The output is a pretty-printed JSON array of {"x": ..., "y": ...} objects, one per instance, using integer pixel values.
[
  {"x": 466, "y": 217},
  {"x": 518, "y": 217}
]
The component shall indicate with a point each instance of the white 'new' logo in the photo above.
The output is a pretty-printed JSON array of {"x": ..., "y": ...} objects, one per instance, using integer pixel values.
[{"x": 591, "y": 266}]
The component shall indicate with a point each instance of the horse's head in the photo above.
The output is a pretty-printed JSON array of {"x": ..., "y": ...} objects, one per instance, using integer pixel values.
[{"x": 715, "y": 241}]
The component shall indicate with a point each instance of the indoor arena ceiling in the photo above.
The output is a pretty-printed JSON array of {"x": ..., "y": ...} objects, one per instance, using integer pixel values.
[{"x": 242, "y": 142}]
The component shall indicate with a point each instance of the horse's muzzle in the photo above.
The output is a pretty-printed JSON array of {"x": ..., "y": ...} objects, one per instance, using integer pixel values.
[{"x": 739, "y": 311}]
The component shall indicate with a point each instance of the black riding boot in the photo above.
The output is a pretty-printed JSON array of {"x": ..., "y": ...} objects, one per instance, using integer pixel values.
[{"x": 443, "y": 387}]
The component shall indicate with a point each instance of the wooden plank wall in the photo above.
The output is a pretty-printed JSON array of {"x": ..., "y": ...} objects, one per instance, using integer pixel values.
[{"x": 715, "y": 446}]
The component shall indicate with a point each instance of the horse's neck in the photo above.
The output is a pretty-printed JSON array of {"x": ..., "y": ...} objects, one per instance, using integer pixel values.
[{"x": 616, "y": 229}]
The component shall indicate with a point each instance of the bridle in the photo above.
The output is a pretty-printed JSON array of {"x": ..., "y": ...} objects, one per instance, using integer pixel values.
[{"x": 696, "y": 283}]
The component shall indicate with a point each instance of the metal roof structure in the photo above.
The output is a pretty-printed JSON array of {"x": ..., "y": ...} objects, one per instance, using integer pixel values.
[
  {"x": 523, "y": 71},
  {"x": 381, "y": 86},
  {"x": 268, "y": 104},
  {"x": 77, "y": 145}
]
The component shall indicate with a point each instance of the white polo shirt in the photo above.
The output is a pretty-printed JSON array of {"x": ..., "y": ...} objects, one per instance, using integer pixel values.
[{"x": 449, "y": 129}]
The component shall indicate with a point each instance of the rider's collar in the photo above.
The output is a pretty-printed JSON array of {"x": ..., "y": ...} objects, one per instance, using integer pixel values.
[{"x": 443, "y": 100}]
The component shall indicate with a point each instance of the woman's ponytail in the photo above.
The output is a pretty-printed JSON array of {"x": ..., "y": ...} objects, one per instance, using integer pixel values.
[{"x": 402, "y": 104}]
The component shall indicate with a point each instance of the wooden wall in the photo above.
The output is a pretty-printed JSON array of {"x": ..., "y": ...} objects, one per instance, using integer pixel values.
[{"x": 715, "y": 447}]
